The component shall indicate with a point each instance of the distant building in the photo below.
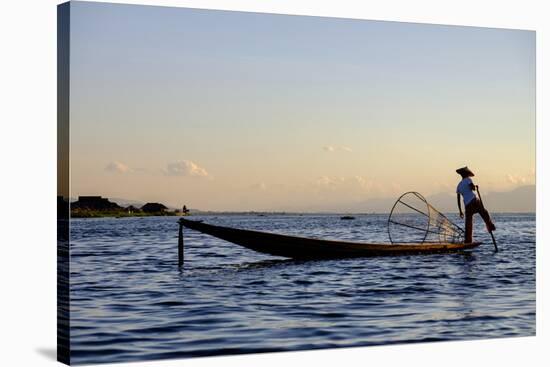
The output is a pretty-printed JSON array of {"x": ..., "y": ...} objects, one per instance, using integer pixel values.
[
  {"x": 153, "y": 208},
  {"x": 131, "y": 209},
  {"x": 94, "y": 203}
]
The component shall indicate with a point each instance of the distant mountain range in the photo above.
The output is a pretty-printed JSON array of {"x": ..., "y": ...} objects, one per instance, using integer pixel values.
[
  {"x": 139, "y": 204},
  {"x": 127, "y": 202},
  {"x": 521, "y": 199},
  {"x": 518, "y": 200}
]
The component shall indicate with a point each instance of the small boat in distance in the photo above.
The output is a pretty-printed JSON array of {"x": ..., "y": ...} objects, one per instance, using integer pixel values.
[
  {"x": 347, "y": 217},
  {"x": 312, "y": 248}
]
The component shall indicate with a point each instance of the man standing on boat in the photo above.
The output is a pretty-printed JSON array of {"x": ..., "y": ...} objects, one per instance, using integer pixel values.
[{"x": 472, "y": 204}]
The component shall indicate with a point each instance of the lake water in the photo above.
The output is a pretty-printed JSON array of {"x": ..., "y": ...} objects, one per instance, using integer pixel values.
[{"x": 130, "y": 301}]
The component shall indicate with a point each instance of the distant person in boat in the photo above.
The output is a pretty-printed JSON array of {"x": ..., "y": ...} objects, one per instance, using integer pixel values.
[{"x": 472, "y": 204}]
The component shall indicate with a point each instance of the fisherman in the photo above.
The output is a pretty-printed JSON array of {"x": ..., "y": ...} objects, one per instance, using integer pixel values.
[{"x": 472, "y": 204}]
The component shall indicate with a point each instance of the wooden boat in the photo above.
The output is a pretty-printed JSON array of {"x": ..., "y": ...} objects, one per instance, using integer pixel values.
[{"x": 311, "y": 248}]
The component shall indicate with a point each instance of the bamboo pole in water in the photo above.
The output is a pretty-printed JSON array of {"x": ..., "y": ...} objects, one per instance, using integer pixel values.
[{"x": 490, "y": 232}]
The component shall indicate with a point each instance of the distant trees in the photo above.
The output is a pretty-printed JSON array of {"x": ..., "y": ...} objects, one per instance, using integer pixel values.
[
  {"x": 94, "y": 203},
  {"x": 97, "y": 206}
]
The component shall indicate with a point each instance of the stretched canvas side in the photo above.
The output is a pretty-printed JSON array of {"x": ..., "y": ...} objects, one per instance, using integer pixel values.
[{"x": 63, "y": 257}]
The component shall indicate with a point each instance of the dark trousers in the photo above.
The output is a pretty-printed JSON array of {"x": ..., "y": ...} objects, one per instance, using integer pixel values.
[{"x": 472, "y": 208}]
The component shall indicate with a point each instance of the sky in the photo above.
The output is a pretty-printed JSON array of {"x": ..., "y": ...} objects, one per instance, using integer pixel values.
[{"x": 238, "y": 111}]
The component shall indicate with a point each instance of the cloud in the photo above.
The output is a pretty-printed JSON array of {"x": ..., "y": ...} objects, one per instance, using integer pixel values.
[
  {"x": 515, "y": 179},
  {"x": 343, "y": 183},
  {"x": 117, "y": 167},
  {"x": 354, "y": 186},
  {"x": 332, "y": 148},
  {"x": 185, "y": 168},
  {"x": 521, "y": 179},
  {"x": 325, "y": 182},
  {"x": 260, "y": 186}
]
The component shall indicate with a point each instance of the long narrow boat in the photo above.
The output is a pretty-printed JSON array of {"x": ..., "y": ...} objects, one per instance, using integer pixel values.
[{"x": 312, "y": 248}]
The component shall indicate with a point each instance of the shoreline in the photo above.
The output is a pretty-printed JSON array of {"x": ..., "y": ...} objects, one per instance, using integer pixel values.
[
  {"x": 258, "y": 214},
  {"x": 110, "y": 214}
]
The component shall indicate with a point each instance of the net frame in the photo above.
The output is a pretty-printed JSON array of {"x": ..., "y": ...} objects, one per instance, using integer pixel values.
[{"x": 437, "y": 224}]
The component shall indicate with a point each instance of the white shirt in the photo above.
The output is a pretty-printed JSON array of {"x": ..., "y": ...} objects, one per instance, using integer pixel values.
[{"x": 464, "y": 189}]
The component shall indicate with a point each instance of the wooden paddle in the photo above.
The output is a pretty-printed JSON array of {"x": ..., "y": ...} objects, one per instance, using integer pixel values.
[{"x": 490, "y": 232}]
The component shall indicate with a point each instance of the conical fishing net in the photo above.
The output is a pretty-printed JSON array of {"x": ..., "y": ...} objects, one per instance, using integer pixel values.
[{"x": 414, "y": 220}]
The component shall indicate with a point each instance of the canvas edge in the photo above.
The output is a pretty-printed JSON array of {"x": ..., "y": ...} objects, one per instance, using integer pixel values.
[{"x": 63, "y": 191}]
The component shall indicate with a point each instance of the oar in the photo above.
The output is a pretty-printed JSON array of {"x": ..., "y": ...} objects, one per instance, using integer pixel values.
[{"x": 483, "y": 207}]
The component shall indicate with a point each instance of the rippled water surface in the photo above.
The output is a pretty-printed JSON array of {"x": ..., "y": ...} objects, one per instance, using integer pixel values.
[{"x": 130, "y": 301}]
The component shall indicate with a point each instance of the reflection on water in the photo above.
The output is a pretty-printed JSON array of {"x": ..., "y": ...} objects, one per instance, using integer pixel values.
[{"x": 130, "y": 301}]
